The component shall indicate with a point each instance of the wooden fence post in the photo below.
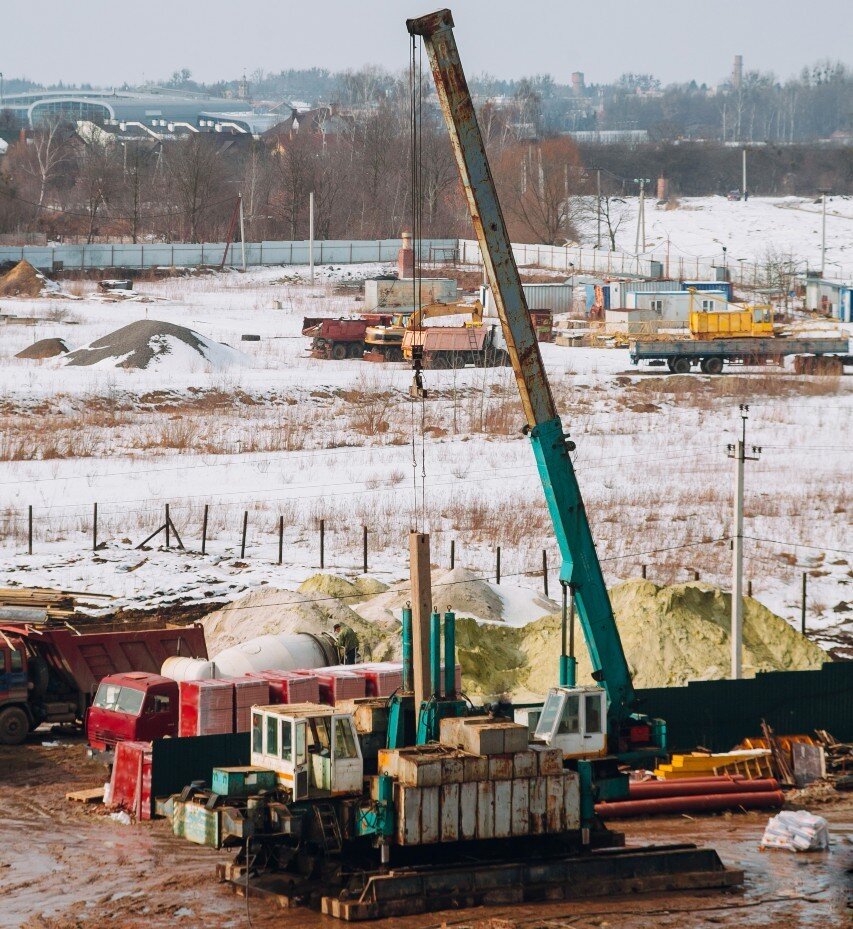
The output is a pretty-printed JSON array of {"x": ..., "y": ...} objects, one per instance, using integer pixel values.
[
  {"x": 802, "y": 608},
  {"x": 95, "y": 527},
  {"x": 498, "y": 566},
  {"x": 364, "y": 549},
  {"x": 452, "y": 554},
  {"x": 168, "y": 521},
  {"x": 30, "y": 529},
  {"x": 644, "y": 569},
  {"x": 322, "y": 543},
  {"x": 280, "y": 539},
  {"x": 545, "y": 571},
  {"x": 204, "y": 531},
  {"x": 243, "y": 541}
]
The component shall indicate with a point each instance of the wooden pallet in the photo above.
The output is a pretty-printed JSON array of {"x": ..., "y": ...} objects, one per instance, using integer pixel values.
[{"x": 92, "y": 795}]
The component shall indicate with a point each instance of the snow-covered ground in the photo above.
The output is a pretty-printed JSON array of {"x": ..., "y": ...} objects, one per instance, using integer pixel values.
[
  {"x": 751, "y": 230},
  {"x": 283, "y": 436}
]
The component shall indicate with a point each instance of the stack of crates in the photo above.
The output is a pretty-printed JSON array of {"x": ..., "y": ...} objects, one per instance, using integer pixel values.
[
  {"x": 248, "y": 692},
  {"x": 383, "y": 677},
  {"x": 290, "y": 686},
  {"x": 206, "y": 707},
  {"x": 340, "y": 684},
  {"x": 506, "y": 788}
]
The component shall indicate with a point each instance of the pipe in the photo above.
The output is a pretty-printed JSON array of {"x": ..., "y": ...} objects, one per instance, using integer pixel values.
[
  {"x": 435, "y": 652},
  {"x": 449, "y": 654},
  {"x": 647, "y": 790},
  {"x": 762, "y": 800},
  {"x": 407, "y": 649}
]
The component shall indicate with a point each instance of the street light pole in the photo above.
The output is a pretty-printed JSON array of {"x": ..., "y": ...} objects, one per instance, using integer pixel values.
[
  {"x": 823, "y": 192},
  {"x": 598, "y": 202}
]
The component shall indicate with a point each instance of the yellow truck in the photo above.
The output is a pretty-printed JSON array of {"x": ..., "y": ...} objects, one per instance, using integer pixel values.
[{"x": 744, "y": 322}]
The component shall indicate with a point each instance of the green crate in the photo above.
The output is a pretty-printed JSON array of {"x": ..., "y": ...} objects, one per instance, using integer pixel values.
[{"x": 242, "y": 781}]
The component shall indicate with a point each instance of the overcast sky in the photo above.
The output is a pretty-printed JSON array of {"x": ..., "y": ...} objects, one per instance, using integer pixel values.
[{"x": 107, "y": 42}]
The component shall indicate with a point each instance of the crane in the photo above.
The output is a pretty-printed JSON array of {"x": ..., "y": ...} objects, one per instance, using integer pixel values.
[{"x": 629, "y": 737}]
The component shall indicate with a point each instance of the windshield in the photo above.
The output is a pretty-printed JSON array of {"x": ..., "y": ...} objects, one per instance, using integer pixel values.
[
  {"x": 553, "y": 705},
  {"x": 118, "y": 698}
]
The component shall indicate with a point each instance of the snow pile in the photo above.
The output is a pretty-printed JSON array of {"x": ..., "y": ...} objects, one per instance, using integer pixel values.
[{"x": 151, "y": 343}]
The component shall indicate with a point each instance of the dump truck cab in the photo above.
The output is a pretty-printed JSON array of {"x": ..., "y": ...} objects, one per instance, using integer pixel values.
[
  {"x": 15, "y": 717},
  {"x": 135, "y": 706},
  {"x": 574, "y": 719},
  {"x": 313, "y": 749}
]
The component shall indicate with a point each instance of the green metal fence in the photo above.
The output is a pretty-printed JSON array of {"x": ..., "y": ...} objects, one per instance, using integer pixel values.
[
  {"x": 719, "y": 714},
  {"x": 177, "y": 762}
]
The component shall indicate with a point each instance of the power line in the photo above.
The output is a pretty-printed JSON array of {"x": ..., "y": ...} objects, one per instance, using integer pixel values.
[{"x": 816, "y": 548}]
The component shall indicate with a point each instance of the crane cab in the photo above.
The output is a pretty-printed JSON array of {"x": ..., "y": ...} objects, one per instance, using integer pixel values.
[
  {"x": 574, "y": 719},
  {"x": 313, "y": 749}
]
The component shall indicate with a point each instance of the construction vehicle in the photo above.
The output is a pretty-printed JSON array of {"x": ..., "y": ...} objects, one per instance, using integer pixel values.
[
  {"x": 747, "y": 322},
  {"x": 510, "y": 808},
  {"x": 136, "y": 706},
  {"x": 444, "y": 347},
  {"x": 340, "y": 338},
  {"x": 50, "y": 671},
  {"x": 385, "y": 342},
  {"x": 710, "y": 355}
]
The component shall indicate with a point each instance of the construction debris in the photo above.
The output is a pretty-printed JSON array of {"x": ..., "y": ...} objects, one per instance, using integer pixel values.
[{"x": 796, "y": 831}]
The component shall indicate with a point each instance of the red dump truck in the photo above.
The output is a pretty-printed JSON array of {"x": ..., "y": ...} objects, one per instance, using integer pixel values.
[
  {"x": 50, "y": 674},
  {"x": 340, "y": 338}
]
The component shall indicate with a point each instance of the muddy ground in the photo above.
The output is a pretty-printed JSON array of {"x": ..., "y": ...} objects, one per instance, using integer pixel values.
[{"x": 68, "y": 866}]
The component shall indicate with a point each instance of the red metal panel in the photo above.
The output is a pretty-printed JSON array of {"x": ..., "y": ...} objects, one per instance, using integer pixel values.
[{"x": 130, "y": 782}]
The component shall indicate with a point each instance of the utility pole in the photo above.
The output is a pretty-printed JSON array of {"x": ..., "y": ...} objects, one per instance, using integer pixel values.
[
  {"x": 311, "y": 232},
  {"x": 823, "y": 192},
  {"x": 242, "y": 233},
  {"x": 598, "y": 207},
  {"x": 738, "y": 452},
  {"x": 641, "y": 215},
  {"x": 743, "y": 192}
]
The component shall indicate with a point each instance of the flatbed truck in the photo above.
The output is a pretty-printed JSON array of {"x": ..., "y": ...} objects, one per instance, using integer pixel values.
[{"x": 710, "y": 356}]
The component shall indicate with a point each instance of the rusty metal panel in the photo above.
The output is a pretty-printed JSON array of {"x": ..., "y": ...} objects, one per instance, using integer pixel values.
[
  {"x": 554, "y": 804},
  {"x": 452, "y": 770},
  {"x": 475, "y": 768},
  {"x": 503, "y": 809},
  {"x": 485, "y": 809},
  {"x": 500, "y": 767},
  {"x": 571, "y": 801},
  {"x": 407, "y": 801},
  {"x": 467, "y": 811},
  {"x": 538, "y": 805},
  {"x": 524, "y": 764},
  {"x": 520, "y": 814},
  {"x": 449, "y": 815},
  {"x": 429, "y": 815}
]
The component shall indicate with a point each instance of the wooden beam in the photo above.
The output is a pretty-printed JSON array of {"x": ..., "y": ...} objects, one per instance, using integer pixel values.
[{"x": 421, "y": 609}]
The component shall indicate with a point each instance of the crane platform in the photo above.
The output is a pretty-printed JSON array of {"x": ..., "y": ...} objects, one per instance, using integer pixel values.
[{"x": 411, "y": 890}]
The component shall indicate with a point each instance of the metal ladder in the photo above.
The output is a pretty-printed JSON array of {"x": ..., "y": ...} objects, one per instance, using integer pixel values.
[{"x": 327, "y": 820}]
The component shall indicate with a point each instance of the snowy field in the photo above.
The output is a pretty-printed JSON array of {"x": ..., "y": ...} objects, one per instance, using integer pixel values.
[
  {"x": 751, "y": 231},
  {"x": 271, "y": 432}
]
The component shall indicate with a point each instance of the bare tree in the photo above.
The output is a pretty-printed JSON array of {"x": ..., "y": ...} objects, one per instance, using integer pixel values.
[{"x": 198, "y": 176}]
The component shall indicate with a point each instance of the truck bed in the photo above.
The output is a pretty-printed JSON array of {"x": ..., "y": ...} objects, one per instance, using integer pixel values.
[
  {"x": 84, "y": 659},
  {"x": 641, "y": 350}
]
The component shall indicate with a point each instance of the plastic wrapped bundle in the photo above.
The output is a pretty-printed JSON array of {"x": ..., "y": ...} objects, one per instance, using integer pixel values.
[
  {"x": 340, "y": 685},
  {"x": 206, "y": 707},
  {"x": 291, "y": 686},
  {"x": 248, "y": 692},
  {"x": 797, "y": 831}
]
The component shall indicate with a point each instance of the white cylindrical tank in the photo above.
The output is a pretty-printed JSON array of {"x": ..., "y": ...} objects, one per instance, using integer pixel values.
[
  {"x": 179, "y": 668},
  {"x": 286, "y": 652}
]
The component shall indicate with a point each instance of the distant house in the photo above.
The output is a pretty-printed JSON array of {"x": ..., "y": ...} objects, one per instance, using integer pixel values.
[{"x": 831, "y": 298}]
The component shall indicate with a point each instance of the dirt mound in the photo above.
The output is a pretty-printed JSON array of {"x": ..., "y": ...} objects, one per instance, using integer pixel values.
[
  {"x": 350, "y": 592},
  {"x": 271, "y": 611},
  {"x": 45, "y": 348},
  {"x": 151, "y": 342},
  {"x": 671, "y": 635},
  {"x": 24, "y": 281}
]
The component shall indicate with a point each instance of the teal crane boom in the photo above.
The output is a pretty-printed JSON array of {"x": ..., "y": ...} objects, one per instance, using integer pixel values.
[{"x": 580, "y": 569}]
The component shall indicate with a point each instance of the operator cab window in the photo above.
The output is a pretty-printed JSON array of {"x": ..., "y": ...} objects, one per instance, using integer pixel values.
[
  {"x": 272, "y": 735},
  {"x": 344, "y": 740},
  {"x": 257, "y": 733},
  {"x": 593, "y": 714},
  {"x": 286, "y": 741},
  {"x": 570, "y": 720},
  {"x": 17, "y": 660},
  {"x": 550, "y": 712}
]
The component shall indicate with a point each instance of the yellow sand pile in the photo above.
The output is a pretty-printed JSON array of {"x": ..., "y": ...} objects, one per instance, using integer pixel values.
[
  {"x": 671, "y": 635},
  {"x": 22, "y": 281}
]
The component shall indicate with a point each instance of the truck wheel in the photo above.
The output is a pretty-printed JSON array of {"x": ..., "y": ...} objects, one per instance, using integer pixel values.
[
  {"x": 713, "y": 365},
  {"x": 670, "y": 363},
  {"x": 339, "y": 351},
  {"x": 356, "y": 350},
  {"x": 14, "y": 726},
  {"x": 681, "y": 366}
]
